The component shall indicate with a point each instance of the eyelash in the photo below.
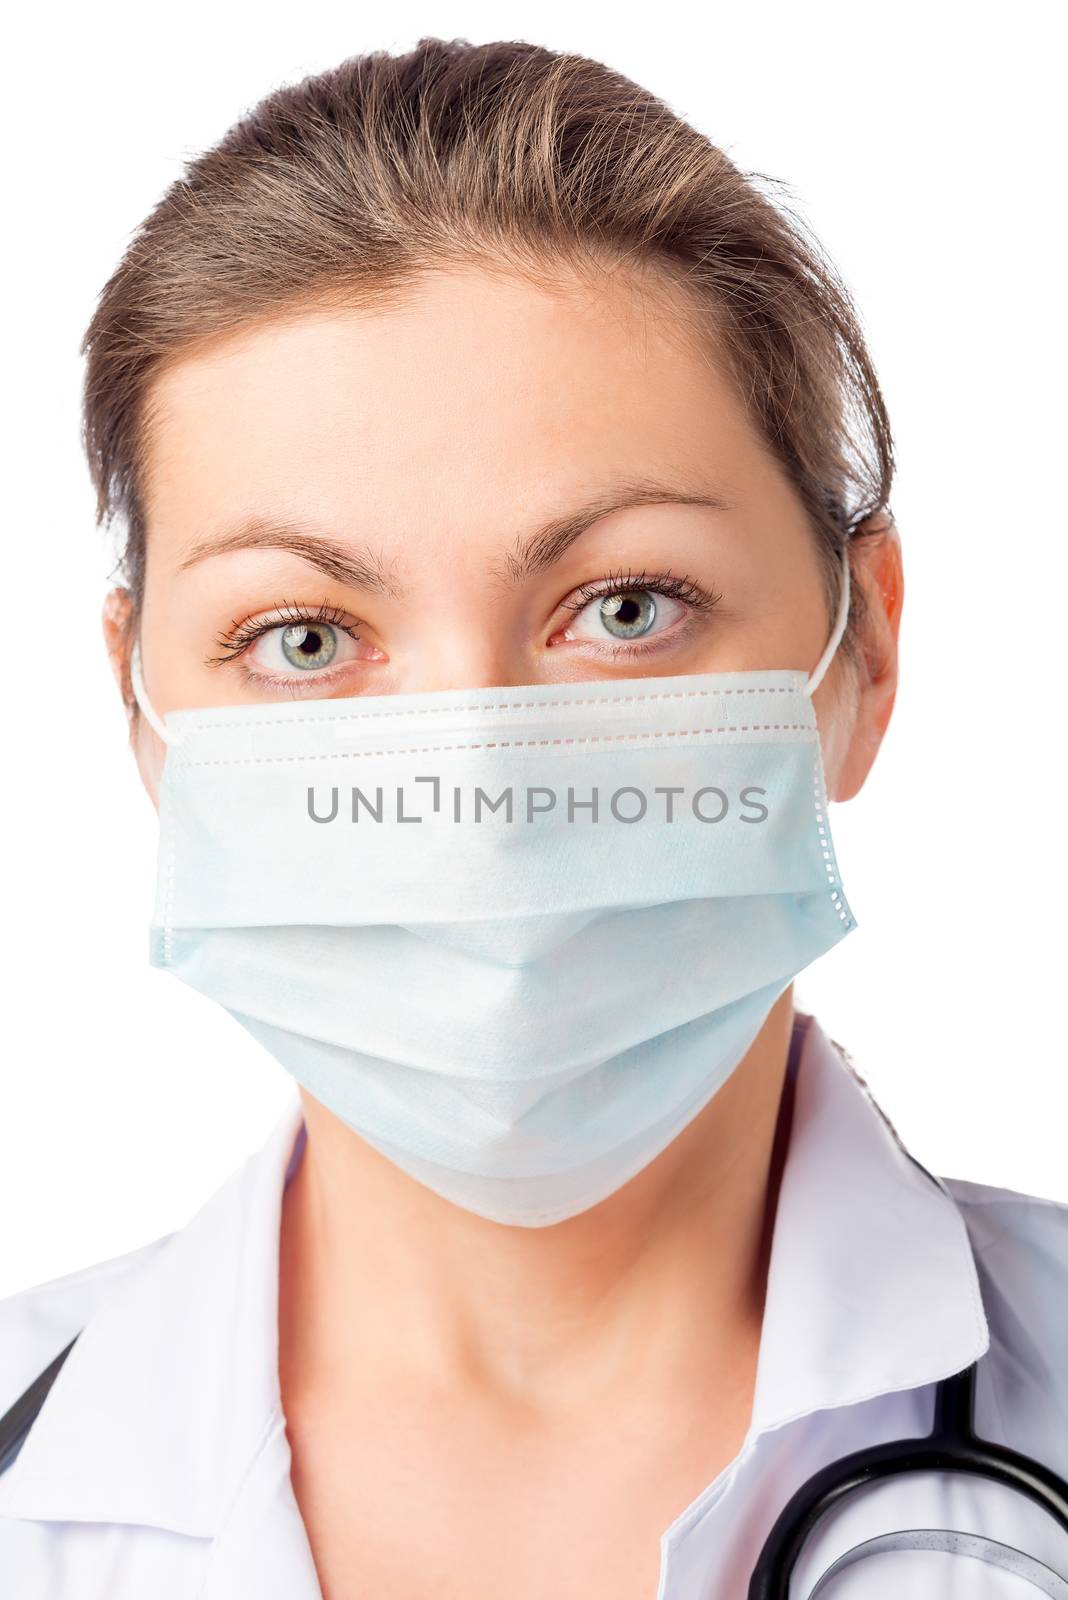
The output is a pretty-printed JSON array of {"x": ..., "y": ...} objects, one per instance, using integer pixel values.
[
  {"x": 244, "y": 634},
  {"x": 679, "y": 588}
]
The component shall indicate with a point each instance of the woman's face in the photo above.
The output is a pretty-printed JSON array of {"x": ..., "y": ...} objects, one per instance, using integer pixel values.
[{"x": 372, "y": 502}]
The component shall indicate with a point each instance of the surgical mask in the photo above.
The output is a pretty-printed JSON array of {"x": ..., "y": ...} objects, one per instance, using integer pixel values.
[{"x": 516, "y": 937}]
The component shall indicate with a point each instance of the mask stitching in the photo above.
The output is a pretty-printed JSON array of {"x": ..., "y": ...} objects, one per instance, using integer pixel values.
[
  {"x": 504, "y": 744},
  {"x": 513, "y": 705},
  {"x": 830, "y": 864}
]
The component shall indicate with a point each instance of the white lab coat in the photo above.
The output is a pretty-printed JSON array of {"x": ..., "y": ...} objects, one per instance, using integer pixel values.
[{"x": 158, "y": 1467}]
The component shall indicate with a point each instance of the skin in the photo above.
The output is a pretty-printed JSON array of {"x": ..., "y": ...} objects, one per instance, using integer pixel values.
[{"x": 519, "y": 1386}]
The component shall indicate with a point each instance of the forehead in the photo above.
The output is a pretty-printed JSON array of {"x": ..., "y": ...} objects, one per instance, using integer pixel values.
[{"x": 473, "y": 388}]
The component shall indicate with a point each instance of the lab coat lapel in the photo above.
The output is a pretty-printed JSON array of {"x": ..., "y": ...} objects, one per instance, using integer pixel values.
[
  {"x": 872, "y": 1296},
  {"x": 262, "y": 1549},
  {"x": 171, "y": 1390},
  {"x": 872, "y": 1283}
]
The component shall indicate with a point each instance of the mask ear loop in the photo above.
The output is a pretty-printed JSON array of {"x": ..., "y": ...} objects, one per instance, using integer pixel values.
[
  {"x": 137, "y": 683},
  {"x": 816, "y": 676}
]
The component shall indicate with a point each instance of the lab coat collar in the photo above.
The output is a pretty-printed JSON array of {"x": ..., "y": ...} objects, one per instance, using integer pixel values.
[{"x": 172, "y": 1388}]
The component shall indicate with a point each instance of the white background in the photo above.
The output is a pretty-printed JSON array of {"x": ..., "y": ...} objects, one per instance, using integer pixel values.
[{"x": 919, "y": 142}]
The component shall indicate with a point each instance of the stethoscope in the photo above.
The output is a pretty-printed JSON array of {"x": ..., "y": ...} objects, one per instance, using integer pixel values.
[{"x": 951, "y": 1446}]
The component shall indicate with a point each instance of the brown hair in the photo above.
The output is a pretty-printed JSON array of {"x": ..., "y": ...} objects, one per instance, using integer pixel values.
[{"x": 339, "y": 189}]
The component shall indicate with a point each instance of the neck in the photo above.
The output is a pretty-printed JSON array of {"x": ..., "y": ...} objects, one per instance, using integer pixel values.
[{"x": 659, "y": 1289}]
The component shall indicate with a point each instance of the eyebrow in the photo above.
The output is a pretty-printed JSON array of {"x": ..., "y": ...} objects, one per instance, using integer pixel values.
[{"x": 531, "y": 553}]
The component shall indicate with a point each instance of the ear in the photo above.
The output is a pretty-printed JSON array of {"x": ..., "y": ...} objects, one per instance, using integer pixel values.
[
  {"x": 877, "y": 571},
  {"x": 117, "y": 621}
]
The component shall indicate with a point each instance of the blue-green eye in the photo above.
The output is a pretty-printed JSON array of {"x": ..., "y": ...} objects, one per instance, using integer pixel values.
[
  {"x": 629, "y": 614},
  {"x": 625, "y": 607},
  {"x": 295, "y": 644},
  {"x": 309, "y": 644},
  {"x": 624, "y": 614}
]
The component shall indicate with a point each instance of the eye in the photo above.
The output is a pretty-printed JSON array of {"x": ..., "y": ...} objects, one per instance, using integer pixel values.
[
  {"x": 301, "y": 644},
  {"x": 625, "y": 614},
  {"x": 293, "y": 643},
  {"x": 629, "y": 608}
]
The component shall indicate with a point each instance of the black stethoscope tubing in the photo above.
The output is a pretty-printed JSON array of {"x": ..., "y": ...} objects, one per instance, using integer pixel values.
[{"x": 951, "y": 1446}]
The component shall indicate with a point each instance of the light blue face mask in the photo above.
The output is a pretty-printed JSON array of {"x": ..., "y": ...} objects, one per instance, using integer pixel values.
[{"x": 515, "y": 937}]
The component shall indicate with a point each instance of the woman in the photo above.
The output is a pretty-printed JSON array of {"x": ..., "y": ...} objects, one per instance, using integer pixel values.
[{"x": 509, "y": 583}]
